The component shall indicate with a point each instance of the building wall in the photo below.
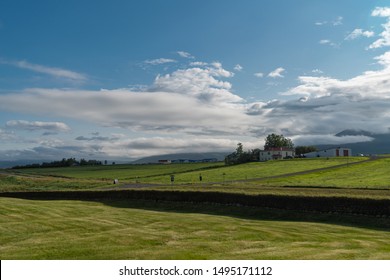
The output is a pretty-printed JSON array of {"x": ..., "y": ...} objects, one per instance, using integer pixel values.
[
  {"x": 336, "y": 152},
  {"x": 274, "y": 154}
]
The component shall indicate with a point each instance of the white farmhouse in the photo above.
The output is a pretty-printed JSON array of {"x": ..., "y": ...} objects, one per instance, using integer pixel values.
[
  {"x": 276, "y": 153},
  {"x": 335, "y": 152}
]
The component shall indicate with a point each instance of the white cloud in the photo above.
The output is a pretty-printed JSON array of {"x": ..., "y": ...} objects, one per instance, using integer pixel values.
[
  {"x": 335, "y": 22},
  {"x": 52, "y": 71},
  {"x": 202, "y": 83},
  {"x": 327, "y": 42},
  {"x": 190, "y": 101},
  {"x": 7, "y": 135},
  {"x": 357, "y": 33},
  {"x": 37, "y": 125},
  {"x": 159, "y": 61},
  {"x": 196, "y": 109},
  {"x": 198, "y": 63},
  {"x": 320, "y": 23},
  {"x": 259, "y": 75},
  {"x": 338, "y": 21},
  {"x": 238, "y": 68},
  {"x": 317, "y": 71},
  {"x": 332, "y": 105},
  {"x": 277, "y": 73},
  {"x": 384, "y": 41},
  {"x": 185, "y": 54},
  {"x": 384, "y": 59},
  {"x": 381, "y": 12}
]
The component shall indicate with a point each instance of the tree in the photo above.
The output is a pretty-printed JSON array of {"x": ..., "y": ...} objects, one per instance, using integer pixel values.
[
  {"x": 300, "y": 150},
  {"x": 239, "y": 156},
  {"x": 239, "y": 149},
  {"x": 277, "y": 141}
]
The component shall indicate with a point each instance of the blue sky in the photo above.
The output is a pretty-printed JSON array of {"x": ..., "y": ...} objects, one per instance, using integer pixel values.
[{"x": 127, "y": 79}]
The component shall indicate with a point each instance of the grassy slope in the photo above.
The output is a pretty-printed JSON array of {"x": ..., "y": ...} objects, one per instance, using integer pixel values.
[
  {"x": 184, "y": 173},
  {"x": 121, "y": 172},
  {"x": 367, "y": 179},
  {"x": 373, "y": 174},
  {"x": 139, "y": 230}
]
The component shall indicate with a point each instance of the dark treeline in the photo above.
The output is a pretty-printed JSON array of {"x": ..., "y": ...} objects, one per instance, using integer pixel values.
[{"x": 62, "y": 163}]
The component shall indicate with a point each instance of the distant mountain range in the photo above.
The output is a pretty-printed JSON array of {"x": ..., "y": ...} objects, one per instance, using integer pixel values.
[{"x": 379, "y": 145}]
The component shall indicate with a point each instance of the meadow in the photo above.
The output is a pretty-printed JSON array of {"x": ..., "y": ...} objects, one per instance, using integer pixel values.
[
  {"x": 146, "y": 229},
  {"x": 61, "y": 229}
]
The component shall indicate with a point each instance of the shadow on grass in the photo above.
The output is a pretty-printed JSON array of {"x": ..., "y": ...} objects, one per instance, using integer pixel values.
[
  {"x": 151, "y": 201},
  {"x": 255, "y": 213}
]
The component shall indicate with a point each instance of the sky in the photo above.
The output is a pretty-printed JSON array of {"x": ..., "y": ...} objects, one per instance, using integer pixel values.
[{"x": 121, "y": 80}]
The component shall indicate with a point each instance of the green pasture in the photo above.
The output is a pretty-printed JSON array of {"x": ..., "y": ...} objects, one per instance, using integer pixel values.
[
  {"x": 188, "y": 172},
  {"x": 38, "y": 229},
  {"x": 129, "y": 172},
  {"x": 367, "y": 175},
  {"x": 23, "y": 182},
  {"x": 365, "y": 179},
  {"x": 252, "y": 170}
]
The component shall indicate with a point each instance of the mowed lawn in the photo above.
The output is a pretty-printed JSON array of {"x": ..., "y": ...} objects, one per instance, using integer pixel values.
[
  {"x": 33, "y": 229},
  {"x": 370, "y": 174}
]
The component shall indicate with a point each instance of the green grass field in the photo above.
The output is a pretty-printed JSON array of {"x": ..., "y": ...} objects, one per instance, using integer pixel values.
[
  {"x": 59, "y": 229},
  {"x": 32, "y": 229},
  {"x": 78, "y": 177}
]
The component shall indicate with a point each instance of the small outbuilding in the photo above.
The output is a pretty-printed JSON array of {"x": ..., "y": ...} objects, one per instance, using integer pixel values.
[{"x": 334, "y": 152}]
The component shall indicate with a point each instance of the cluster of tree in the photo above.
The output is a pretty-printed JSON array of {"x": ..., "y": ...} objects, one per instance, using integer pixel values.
[
  {"x": 277, "y": 141},
  {"x": 271, "y": 141},
  {"x": 62, "y": 163},
  {"x": 240, "y": 156}
]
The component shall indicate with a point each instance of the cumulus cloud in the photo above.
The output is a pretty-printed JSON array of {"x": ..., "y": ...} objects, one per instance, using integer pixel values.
[
  {"x": 332, "y": 105},
  {"x": 384, "y": 59},
  {"x": 277, "y": 73},
  {"x": 52, "y": 71},
  {"x": 384, "y": 39},
  {"x": 36, "y": 125},
  {"x": 357, "y": 33},
  {"x": 185, "y": 54},
  {"x": 381, "y": 12},
  {"x": 191, "y": 101},
  {"x": 238, "y": 68},
  {"x": 200, "y": 101},
  {"x": 202, "y": 83},
  {"x": 368, "y": 84}
]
